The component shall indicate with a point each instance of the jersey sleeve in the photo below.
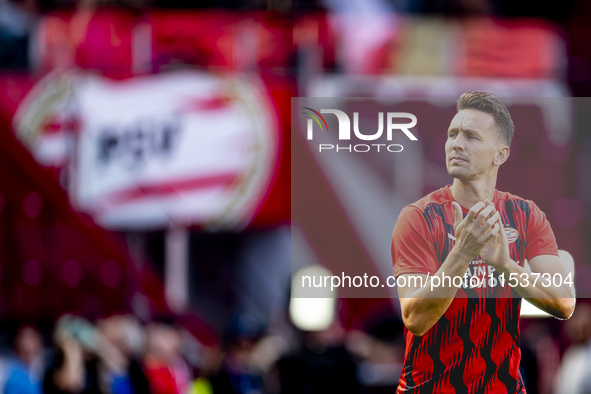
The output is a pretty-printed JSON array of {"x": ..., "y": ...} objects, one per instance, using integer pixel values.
[
  {"x": 412, "y": 246},
  {"x": 540, "y": 238}
]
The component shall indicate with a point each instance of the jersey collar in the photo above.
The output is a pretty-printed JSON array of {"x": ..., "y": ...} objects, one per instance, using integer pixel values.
[{"x": 464, "y": 209}]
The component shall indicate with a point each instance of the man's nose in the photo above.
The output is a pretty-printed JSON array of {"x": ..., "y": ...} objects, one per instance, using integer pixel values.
[{"x": 459, "y": 142}]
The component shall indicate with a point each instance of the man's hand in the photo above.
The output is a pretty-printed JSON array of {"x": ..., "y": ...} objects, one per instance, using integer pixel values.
[
  {"x": 476, "y": 229},
  {"x": 422, "y": 307},
  {"x": 496, "y": 251}
]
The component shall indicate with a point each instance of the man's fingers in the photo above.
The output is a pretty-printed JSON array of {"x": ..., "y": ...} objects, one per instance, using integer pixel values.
[
  {"x": 493, "y": 211},
  {"x": 473, "y": 211},
  {"x": 491, "y": 221},
  {"x": 481, "y": 217},
  {"x": 493, "y": 232}
]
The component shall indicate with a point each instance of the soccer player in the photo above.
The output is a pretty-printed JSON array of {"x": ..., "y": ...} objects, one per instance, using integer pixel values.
[{"x": 462, "y": 336}]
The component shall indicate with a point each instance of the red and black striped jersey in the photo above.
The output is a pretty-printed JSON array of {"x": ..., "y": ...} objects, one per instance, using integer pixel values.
[{"x": 474, "y": 347}]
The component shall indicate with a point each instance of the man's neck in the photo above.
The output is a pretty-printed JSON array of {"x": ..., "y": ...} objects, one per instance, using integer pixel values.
[{"x": 469, "y": 193}]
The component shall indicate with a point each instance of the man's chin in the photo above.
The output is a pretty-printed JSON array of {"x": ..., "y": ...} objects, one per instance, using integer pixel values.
[{"x": 457, "y": 173}]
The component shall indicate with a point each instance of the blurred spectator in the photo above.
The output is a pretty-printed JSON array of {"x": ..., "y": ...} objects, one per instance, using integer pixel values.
[
  {"x": 323, "y": 365},
  {"x": 540, "y": 356},
  {"x": 266, "y": 354},
  {"x": 529, "y": 365},
  {"x": 26, "y": 370},
  {"x": 205, "y": 359},
  {"x": 16, "y": 20},
  {"x": 86, "y": 361},
  {"x": 382, "y": 354},
  {"x": 574, "y": 374},
  {"x": 125, "y": 333},
  {"x": 166, "y": 370},
  {"x": 236, "y": 374}
]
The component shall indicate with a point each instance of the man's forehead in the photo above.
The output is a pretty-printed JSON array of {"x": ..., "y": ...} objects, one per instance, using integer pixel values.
[{"x": 472, "y": 119}]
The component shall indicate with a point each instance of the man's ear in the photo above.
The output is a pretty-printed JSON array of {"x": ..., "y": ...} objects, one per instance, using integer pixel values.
[{"x": 502, "y": 155}]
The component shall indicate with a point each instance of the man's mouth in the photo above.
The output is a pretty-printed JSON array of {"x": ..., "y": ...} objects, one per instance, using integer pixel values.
[{"x": 458, "y": 159}]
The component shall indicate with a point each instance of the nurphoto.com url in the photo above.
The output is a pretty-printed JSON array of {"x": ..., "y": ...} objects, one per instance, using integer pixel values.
[{"x": 467, "y": 282}]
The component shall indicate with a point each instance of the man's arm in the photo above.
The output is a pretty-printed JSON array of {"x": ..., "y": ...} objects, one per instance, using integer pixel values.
[
  {"x": 559, "y": 301},
  {"x": 536, "y": 282},
  {"x": 422, "y": 307}
]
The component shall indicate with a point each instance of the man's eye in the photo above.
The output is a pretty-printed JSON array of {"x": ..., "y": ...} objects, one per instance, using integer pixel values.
[
  {"x": 452, "y": 135},
  {"x": 471, "y": 137}
]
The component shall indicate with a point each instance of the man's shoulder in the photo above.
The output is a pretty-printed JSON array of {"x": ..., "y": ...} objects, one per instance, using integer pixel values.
[
  {"x": 438, "y": 197},
  {"x": 443, "y": 196},
  {"x": 520, "y": 202}
]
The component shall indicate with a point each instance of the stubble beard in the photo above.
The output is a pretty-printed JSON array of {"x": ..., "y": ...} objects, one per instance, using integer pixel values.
[{"x": 464, "y": 174}]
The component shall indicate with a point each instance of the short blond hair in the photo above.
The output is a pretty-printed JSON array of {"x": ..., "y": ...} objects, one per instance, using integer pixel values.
[{"x": 488, "y": 103}]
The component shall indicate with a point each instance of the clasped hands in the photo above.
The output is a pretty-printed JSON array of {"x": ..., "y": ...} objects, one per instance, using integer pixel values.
[{"x": 482, "y": 233}]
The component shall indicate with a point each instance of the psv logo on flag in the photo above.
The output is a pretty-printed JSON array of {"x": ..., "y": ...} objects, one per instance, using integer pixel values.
[{"x": 512, "y": 234}]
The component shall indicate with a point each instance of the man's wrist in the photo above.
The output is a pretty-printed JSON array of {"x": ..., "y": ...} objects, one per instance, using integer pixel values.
[
  {"x": 459, "y": 257},
  {"x": 506, "y": 267}
]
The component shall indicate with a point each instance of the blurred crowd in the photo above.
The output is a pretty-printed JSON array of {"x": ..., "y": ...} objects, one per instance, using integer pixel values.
[{"x": 121, "y": 355}]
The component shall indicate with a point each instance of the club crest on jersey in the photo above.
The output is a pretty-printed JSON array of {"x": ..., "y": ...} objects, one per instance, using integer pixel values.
[{"x": 512, "y": 234}]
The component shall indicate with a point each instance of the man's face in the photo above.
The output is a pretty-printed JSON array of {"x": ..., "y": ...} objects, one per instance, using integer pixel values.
[
  {"x": 472, "y": 144},
  {"x": 28, "y": 343}
]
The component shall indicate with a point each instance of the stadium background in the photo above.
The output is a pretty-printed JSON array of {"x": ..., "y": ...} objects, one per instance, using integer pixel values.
[{"x": 201, "y": 297}]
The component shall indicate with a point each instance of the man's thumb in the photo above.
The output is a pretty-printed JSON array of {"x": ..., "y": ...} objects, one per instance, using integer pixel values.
[
  {"x": 457, "y": 214},
  {"x": 502, "y": 233}
]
